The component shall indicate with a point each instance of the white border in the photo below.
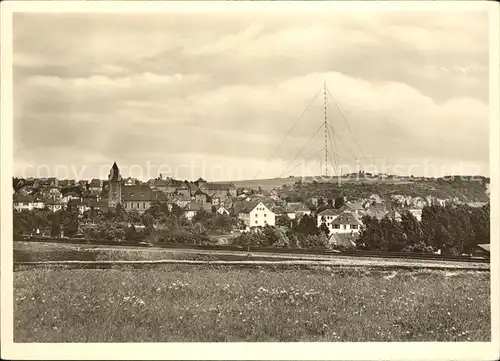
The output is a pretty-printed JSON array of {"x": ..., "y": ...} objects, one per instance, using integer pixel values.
[{"x": 233, "y": 351}]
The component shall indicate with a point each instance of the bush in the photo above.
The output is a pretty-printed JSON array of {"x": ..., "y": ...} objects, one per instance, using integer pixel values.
[{"x": 319, "y": 242}]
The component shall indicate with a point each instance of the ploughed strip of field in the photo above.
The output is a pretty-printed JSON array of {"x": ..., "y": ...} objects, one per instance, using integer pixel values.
[
  {"x": 35, "y": 254},
  {"x": 181, "y": 303}
]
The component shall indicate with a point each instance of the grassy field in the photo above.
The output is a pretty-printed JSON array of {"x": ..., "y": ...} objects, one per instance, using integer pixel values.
[
  {"x": 56, "y": 252},
  {"x": 209, "y": 303},
  {"x": 40, "y": 252}
]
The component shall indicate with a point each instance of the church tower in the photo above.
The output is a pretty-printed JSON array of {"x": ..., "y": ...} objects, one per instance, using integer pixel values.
[{"x": 115, "y": 186}]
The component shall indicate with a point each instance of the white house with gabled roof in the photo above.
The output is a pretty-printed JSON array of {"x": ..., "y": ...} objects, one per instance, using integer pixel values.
[
  {"x": 256, "y": 214},
  {"x": 340, "y": 221}
]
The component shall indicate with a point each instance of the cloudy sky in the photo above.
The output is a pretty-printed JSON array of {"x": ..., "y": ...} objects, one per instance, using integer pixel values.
[{"x": 214, "y": 95}]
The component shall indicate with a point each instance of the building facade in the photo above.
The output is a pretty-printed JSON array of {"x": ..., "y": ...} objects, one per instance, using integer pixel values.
[{"x": 257, "y": 215}]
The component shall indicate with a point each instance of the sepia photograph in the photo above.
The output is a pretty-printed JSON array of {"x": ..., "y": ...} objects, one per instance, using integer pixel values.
[{"x": 250, "y": 172}]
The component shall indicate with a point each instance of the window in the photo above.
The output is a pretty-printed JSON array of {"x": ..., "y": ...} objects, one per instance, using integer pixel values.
[
  {"x": 255, "y": 222},
  {"x": 354, "y": 226},
  {"x": 137, "y": 204},
  {"x": 344, "y": 226},
  {"x": 336, "y": 226},
  {"x": 265, "y": 222},
  {"x": 265, "y": 214}
]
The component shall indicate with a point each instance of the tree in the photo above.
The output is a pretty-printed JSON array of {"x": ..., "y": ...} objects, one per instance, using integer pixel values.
[
  {"x": 283, "y": 220},
  {"x": 393, "y": 234},
  {"x": 339, "y": 202},
  {"x": 177, "y": 211},
  {"x": 317, "y": 241},
  {"x": 223, "y": 222},
  {"x": 293, "y": 240},
  {"x": 203, "y": 217},
  {"x": 56, "y": 225},
  {"x": 120, "y": 213},
  {"x": 307, "y": 225},
  {"x": 372, "y": 235},
  {"x": 17, "y": 184},
  {"x": 413, "y": 234},
  {"x": 324, "y": 228},
  {"x": 134, "y": 216},
  {"x": 71, "y": 228},
  {"x": 198, "y": 228},
  {"x": 247, "y": 240},
  {"x": 148, "y": 221}
]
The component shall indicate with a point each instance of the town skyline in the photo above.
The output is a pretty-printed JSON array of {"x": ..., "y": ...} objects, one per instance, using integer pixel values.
[{"x": 225, "y": 97}]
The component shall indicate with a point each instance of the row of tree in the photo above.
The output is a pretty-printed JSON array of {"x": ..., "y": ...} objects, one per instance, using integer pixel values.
[{"x": 452, "y": 230}]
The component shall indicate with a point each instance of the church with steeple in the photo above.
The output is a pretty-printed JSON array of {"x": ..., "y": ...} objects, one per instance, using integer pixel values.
[{"x": 114, "y": 187}]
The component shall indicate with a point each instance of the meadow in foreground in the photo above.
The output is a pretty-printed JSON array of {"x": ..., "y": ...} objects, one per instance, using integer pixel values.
[{"x": 184, "y": 303}]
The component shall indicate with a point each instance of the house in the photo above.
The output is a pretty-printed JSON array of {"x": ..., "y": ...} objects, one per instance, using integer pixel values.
[
  {"x": 140, "y": 197},
  {"x": 102, "y": 204},
  {"x": 327, "y": 216},
  {"x": 222, "y": 190},
  {"x": 69, "y": 196},
  {"x": 192, "y": 208},
  {"x": 184, "y": 190},
  {"x": 23, "y": 202},
  {"x": 314, "y": 201},
  {"x": 95, "y": 186},
  {"x": 167, "y": 186},
  {"x": 418, "y": 202},
  {"x": 255, "y": 214},
  {"x": 346, "y": 222},
  {"x": 279, "y": 210},
  {"x": 82, "y": 184},
  {"x": 477, "y": 204},
  {"x": 394, "y": 215},
  {"x": 64, "y": 183},
  {"x": 76, "y": 205},
  {"x": 296, "y": 210},
  {"x": 377, "y": 211},
  {"x": 48, "y": 182},
  {"x": 200, "y": 182},
  {"x": 201, "y": 197},
  {"x": 375, "y": 199},
  {"x": 242, "y": 197},
  {"x": 180, "y": 201},
  {"x": 53, "y": 193},
  {"x": 355, "y": 207},
  {"x": 83, "y": 205},
  {"x": 54, "y": 205},
  {"x": 416, "y": 212},
  {"x": 222, "y": 210},
  {"x": 129, "y": 182}
]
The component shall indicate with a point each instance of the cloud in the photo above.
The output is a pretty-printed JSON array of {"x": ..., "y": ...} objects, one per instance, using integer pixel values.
[{"x": 152, "y": 87}]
